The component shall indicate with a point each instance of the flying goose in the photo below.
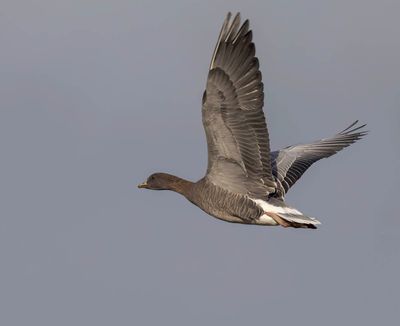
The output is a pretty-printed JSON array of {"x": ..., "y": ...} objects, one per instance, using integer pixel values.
[{"x": 246, "y": 182}]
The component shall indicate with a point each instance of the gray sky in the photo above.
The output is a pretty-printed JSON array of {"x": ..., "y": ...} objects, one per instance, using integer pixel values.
[{"x": 96, "y": 95}]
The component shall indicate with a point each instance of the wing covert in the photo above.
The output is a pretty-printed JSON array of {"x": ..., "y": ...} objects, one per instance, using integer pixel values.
[
  {"x": 290, "y": 163},
  {"x": 232, "y": 111}
]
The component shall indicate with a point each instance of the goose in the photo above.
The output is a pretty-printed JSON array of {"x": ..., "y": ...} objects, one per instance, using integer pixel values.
[{"x": 245, "y": 182}]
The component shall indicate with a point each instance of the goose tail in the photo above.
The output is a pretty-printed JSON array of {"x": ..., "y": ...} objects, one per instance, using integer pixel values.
[
  {"x": 277, "y": 212},
  {"x": 295, "y": 220}
]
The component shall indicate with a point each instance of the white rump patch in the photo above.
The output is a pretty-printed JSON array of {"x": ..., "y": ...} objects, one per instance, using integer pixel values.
[
  {"x": 287, "y": 213},
  {"x": 267, "y": 207},
  {"x": 267, "y": 220}
]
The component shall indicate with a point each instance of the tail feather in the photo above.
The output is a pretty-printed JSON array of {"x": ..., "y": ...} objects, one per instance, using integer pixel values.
[
  {"x": 301, "y": 221},
  {"x": 284, "y": 215}
]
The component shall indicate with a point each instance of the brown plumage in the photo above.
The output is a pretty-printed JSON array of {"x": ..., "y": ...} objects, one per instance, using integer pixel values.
[{"x": 246, "y": 182}]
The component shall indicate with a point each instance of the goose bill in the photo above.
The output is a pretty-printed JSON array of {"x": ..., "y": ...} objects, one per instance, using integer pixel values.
[{"x": 143, "y": 185}]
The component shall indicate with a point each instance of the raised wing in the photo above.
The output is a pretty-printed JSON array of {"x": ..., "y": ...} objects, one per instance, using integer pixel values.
[
  {"x": 289, "y": 164},
  {"x": 237, "y": 135}
]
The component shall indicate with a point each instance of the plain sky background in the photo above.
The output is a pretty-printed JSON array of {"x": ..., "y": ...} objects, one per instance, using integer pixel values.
[{"x": 96, "y": 95}]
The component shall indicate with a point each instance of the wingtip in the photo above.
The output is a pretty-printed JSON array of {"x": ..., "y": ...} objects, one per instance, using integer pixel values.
[
  {"x": 228, "y": 32},
  {"x": 353, "y": 128},
  {"x": 236, "y": 19}
]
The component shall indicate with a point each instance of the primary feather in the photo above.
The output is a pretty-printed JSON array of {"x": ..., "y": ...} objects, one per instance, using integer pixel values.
[
  {"x": 237, "y": 135},
  {"x": 246, "y": 182},
  {"x": 289, "y": 164}
]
